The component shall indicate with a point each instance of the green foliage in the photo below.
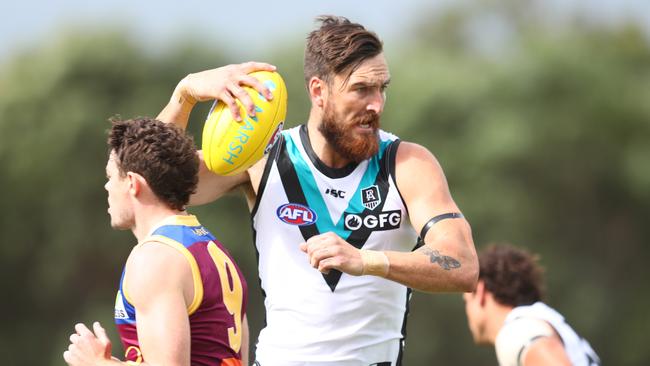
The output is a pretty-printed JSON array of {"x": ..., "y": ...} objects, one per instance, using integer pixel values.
[
  {"x": 57, "y": 246},
  {"x": 545, "y": 145},
  {"x": 543, "y": 137}
]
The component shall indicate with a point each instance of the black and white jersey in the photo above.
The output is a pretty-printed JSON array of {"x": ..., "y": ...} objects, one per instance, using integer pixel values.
[
  {"x": 525, "y": 324},
  {"x": 328, "y": 319}
]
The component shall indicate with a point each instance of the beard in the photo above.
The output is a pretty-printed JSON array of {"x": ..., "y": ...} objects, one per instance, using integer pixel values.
[{"x": 345, "y": 141}]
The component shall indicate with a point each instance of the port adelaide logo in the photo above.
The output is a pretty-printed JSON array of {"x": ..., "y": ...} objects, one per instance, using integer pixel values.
[
  {"x": 296, "y": 214},
  {"x": 370, "y": 197}
]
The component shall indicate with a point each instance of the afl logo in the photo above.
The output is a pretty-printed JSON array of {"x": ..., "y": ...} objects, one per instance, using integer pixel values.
[{"x": 296, "y": 214}]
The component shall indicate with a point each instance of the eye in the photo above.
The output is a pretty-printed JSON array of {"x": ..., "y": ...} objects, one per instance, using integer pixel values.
[{"x": 362, "y": 89}]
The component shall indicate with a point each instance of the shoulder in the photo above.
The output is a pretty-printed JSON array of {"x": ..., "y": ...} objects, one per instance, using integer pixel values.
[
  {"x": 154, "y": 267},
  {"x": 412, "y": 153},
  {"x": 414, "y": 165},
  {"x": 517, "y": 335},
  {"x": 153, "y": 254}
]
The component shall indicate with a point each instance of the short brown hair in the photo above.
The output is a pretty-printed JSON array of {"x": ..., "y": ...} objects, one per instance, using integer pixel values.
[
  {"x": 338, "y": 46},
  {"x": 162, "y": 153},
  {"x": 511, "y": 274}
]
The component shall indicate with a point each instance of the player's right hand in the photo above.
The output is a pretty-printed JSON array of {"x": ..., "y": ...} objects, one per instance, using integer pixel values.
[
  {"x": 86, "y": 347},
  {"x": 329, "y": 251},
  {"x": 226, "y": 84}
]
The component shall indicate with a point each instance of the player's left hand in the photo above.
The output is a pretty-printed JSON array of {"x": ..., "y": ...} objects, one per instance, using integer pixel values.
[
  {"x": 88, "y": 348},
  {"x": 329, "y": 251}
]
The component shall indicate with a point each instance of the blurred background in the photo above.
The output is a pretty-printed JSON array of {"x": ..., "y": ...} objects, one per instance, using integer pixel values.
[{"x": 538, "y": 111}]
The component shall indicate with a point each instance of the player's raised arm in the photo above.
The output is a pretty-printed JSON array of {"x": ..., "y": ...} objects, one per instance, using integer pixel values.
[
  {"x": 211, "y": 186},
  {"x": 224, "y": 83}
]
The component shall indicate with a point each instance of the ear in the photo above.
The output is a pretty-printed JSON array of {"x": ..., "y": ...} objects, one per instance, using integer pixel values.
[
  {"x": 136, "y": 182},
  {"x": 317, "y": 91}
]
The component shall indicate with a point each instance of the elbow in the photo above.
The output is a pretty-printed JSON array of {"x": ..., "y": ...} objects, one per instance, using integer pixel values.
[
  {"x": 463, "y": 279},
  {"x": 470, "y": 277}
]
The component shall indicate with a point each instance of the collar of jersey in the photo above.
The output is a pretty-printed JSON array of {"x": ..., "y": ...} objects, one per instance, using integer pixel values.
[
  {"x": 314, "y": 197},
  {"x": 322, "y": 167},
  {"x": 176, "y": 220}
]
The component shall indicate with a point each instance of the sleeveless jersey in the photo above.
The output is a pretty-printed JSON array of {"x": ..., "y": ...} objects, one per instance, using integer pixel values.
[
  {"x": 219, "y": 303},
  {"x": 335, "y": 318},
  {"x": 525, "y": 324}
]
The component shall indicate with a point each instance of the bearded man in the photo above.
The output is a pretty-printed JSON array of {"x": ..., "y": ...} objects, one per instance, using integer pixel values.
[{"x": 335, "y": 208}]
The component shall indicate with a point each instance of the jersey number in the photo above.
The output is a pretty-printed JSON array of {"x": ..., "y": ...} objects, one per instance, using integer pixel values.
[{"x": 232, "y": 296}]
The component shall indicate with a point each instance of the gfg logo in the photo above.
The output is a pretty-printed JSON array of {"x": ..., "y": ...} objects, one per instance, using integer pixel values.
[
  {"x": 387, "y": 220},
  {"x": 296, "y": 214}
]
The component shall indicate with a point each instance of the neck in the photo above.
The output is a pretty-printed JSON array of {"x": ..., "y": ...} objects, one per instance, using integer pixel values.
[
  {"x": 148, "y": 217},
  {"x": 498, "y": 316},
  {"x": 321, "y": 146}
]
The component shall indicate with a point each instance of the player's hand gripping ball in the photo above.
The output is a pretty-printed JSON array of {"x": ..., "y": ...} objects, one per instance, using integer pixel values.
[{"x": 230, "y": 147}]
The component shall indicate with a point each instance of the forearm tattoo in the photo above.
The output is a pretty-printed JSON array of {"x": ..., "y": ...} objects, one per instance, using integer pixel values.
[{"x": 444, "y": 261}]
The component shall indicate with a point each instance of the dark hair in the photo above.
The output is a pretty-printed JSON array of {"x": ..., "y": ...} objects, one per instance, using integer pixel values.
[
  {"x": 162, "y": 153},
  {"x": 338, "y": 46},
  {"x": 511, "y": 274}
]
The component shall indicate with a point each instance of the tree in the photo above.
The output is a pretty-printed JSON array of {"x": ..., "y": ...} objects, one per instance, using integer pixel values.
[
  {"x": 543, "y": 137},
  {"x": 544, "y": 140}
]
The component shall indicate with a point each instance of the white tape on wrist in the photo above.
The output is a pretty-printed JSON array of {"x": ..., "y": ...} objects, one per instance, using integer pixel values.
[{"x": 374, "y": 263}]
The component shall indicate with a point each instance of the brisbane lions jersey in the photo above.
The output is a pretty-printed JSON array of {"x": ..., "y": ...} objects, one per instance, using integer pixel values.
[
  {"x": 335, "y": 318},
  {"x": 217, "y": 310}
]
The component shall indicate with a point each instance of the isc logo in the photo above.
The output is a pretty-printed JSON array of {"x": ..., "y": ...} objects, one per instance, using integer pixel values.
[{"x": 295, "y": 214}]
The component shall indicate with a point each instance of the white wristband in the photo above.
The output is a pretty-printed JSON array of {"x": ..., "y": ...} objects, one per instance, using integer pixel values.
[{"x": 374, "y": 263}]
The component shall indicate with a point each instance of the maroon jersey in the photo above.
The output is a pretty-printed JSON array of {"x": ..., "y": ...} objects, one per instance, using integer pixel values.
[{"x": 220, "y": 295}]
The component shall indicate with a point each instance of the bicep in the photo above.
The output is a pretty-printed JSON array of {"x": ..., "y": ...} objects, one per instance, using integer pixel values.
[
  {"x": 424, "y": 188},
  {"x": 212, "y": 186}
]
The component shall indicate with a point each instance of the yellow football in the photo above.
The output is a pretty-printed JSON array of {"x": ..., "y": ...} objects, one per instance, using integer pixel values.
[{"x": 230, "y": 147}]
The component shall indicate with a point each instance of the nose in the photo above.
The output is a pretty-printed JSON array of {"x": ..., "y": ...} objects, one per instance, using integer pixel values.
[{"x": 376, "y": 102}]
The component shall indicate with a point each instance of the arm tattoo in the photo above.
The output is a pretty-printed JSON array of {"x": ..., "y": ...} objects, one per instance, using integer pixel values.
[{"x": 445, "y": 261}]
